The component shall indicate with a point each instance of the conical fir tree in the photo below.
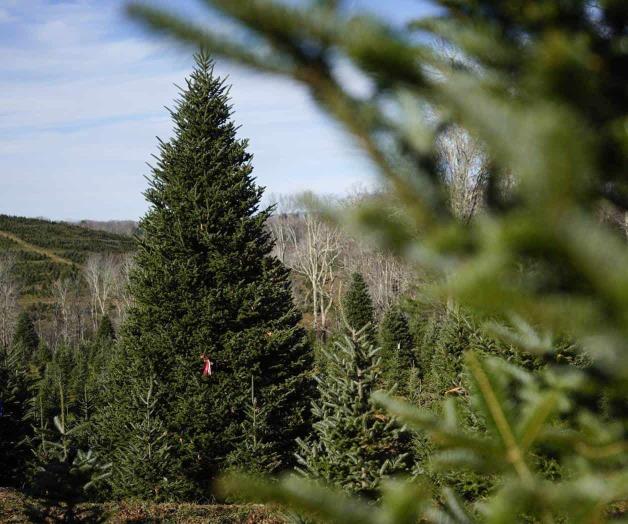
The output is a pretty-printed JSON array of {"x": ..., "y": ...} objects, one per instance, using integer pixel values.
[
  {"x": 354, "y": 445},
  {"x": 397, "y": 347},
  {"x": 205, "y": 285},
  {"x": 25, "y": 337},
  {"x": 106, "y": 332},
  {"x": 358, "y": 308}
]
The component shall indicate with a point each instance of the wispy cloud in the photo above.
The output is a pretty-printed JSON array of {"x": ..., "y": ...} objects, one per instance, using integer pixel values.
[{"x": 81, "y": 99}]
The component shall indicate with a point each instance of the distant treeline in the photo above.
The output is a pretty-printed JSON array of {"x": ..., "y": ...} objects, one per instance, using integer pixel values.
[{"x": 118, "y": 227}]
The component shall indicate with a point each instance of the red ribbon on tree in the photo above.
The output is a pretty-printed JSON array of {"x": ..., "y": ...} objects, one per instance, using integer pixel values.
[{"x": 207, "y": 365}]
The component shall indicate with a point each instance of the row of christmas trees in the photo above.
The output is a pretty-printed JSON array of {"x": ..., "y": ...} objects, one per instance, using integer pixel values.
[{"x": 58, "y": 408}]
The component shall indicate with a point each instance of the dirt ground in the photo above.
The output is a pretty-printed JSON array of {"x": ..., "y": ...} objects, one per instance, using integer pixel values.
[{"x": 15, "y": 508}]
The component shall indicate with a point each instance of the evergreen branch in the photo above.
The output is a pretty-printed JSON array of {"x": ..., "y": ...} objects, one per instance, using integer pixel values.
[
  {"x": 177, "y": 27},
  {"x": 534, "y": 422},
  {"x": 514, "y": 453}
]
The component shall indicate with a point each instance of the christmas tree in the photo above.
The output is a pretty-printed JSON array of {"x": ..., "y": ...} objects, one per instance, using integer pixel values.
[
  {"x": 358, "y": 308},
  {"x": 254, "y": 454},
  {"x": 65, "y": 475},
  {"x": 355, "y": 445},
  {"x": 25, "y": 337},
  {"x": 146, "y": 468},
  {"x": 206, "y": 288},
  {"x": 14, "y": 429},
  {"x": 106, "y": 331},
  {"x": 397, "y": 346},
  {"x": 542, "y": 88}
]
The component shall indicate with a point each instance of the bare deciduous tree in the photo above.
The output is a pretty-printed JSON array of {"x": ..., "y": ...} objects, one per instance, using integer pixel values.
[
  {"x": 9, "y": 295},
  {"x": 283, "y": 224},
  {"x": 321, "y": 258},
  {"x": 464, "y": 168},
  {"x": 315, "y": 254},
  {"x": 100, "y": 273},
  {"x": 69, "y": 311},
  {"x": 386, "y": 277},
  {"x": 123, "y": 298}
]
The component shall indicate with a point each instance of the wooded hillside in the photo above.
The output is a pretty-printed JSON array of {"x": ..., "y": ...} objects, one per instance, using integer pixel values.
[{"x": 45, "y": 251}]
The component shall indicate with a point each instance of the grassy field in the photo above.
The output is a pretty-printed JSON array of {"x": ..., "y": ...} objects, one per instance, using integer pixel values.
[{"x": 18, "y": 509}]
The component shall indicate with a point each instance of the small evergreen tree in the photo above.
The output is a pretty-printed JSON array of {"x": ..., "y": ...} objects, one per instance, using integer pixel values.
[
  {"x": 64, "y": 474},
  {"x": 397, "y": 347},
  {"x": 355, "y": 445},
  {"x": 145, "y": 466},
  {"x": 54, "y": 386},
  {"x": 106, "y": 331},
  {"x": 14, "y": 428},
  {"x": 358, "y": 308},
  {"x": 25, "y": 336},
  {"x": 254, "y": 454},
  {"x": 205, "y": 283}
]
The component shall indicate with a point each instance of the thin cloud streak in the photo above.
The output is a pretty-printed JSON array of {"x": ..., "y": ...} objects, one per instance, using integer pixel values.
[{"x": 82, "y": 96}]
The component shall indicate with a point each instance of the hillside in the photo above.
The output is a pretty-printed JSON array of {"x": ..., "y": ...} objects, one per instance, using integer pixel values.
[{"x": 45, "y": 250}]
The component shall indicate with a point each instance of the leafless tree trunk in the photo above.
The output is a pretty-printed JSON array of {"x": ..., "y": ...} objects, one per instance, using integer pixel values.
[
  {"x": 283, "y": 223},
  {"x": 386, "y": 277},
  {"x": 8, "y": 300},
  {"x": 69, "y": 320},
  {"x": 315, "y": 254},
  {"x": 123, "y": 298},
  {"x": 464, "y": 167},
  {"x": 100, "y": 273},
  {"x": 281, "y": 227}
]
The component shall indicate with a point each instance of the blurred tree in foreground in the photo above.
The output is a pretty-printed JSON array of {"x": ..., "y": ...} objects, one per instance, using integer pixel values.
[{"x": 541, "y": 86}]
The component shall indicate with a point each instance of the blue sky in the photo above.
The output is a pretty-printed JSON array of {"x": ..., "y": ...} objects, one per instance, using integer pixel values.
[{"x": 83, "y": 91}]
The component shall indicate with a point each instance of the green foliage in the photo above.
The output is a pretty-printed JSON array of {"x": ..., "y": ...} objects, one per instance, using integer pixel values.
[
  {"x": 254, "y": 454},
  {"x": 354, "y": 446},
  {"x": 106, "y": 332},
  {"x": 444, "y": 377},
  {"x": 205, "y": 283},
  {"x": 64, "y": 474},
  {"x": 66, "y": 385},
  {"x": 63, "y": 239},
  {"x": 357, "y": 307},
  {"x": 14, "y": 428},
  {"x": 54, "y": 387},
  {"x": 542, "y": 88},
  {"x": 145, "y": 465},
  {"x": 397, "y": 347},
  {"x": 25, "y": 337},
  {"x": 36, "y": 271}
]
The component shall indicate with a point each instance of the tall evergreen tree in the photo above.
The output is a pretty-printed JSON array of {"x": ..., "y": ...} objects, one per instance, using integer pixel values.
[
  {"x": 205, "y": 284},
  {"x": 397, "y": 346},
  {"x": 358, "y": 307}
]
